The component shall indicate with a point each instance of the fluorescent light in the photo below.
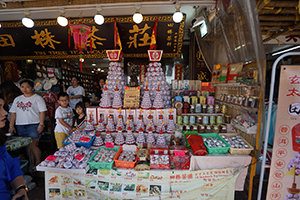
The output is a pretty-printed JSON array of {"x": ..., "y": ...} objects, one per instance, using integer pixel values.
[{"x": 286, "y": 50}]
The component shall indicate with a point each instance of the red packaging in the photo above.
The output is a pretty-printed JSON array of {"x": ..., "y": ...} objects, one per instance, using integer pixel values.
[
  {"x": 176, "y": 148},
  {"x": 180, "y": 162},
  {"x": 197, "y": 144},
  {"x": 159, "y": 149}
]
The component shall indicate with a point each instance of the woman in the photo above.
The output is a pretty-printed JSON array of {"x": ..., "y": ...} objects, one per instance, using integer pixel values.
[
  {"x": 76, "y": 92},
  {"x": 99, "y": 92},
  {"x": 10, "y": 172},
  {"x": 28, "y": 112},
  {"x": 9, "y": 91}
]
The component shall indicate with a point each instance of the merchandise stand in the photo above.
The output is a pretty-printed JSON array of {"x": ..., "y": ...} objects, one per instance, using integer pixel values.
[{"x": 271, "y": 95}]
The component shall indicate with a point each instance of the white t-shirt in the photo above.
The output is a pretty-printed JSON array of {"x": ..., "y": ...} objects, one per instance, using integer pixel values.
[
  {"x": 75, "y": 91},
  {"x": 28, "y": 109},
  {"x": 67, "y": 115}
]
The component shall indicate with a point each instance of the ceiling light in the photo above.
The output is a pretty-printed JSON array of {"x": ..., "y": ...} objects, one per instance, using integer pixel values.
[
  {"x": 99, "y": 69},
  {"x": 98, "y": 18},
  {"x": 286, "y": 50},
  {"x": 137, "y": 16},
  {"x": 81, "y": 59},
  {"x": 177, "y": 16},
  {"x": 62, "y": 20},
  {"x": 92, "y": 71},
  {"x": 0, "y": 25},
  {"x": 94, "y": 64},
  {"x": 26, "y": 21},
  {"x": 102, "y": 70}
]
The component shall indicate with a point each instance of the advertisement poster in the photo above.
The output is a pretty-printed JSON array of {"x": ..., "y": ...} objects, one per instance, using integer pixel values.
[
  {"x": 285, "y": 167},
  {"x": 130, "y": 184}
]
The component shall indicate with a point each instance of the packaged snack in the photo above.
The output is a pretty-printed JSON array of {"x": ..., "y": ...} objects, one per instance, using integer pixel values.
[
  {"x": 234, "y": 69},
  {"x": 197, "y": 144}
]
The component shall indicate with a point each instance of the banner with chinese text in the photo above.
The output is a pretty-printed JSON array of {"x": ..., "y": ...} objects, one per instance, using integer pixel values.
[
  {"x": 10, "y": 71},
  {"x": 285, "y": 166},
  {"x": 48, "y": 40},
  {"x": 178, "y": 71},
  {"x": 142, "y": 75},
  {"x": 153, "y": 184}
]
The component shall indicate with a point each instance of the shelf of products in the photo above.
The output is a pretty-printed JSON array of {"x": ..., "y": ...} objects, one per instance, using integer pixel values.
[{"x": 236, "y": 106}]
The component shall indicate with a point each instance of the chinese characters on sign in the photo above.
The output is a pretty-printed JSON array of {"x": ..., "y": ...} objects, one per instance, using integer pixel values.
[
  {"x": 131, "y": 97},
  {"x": 44, "y": 38},
  {"x": 283, "y": 177},
  {"x": 178, "y": 71},
  {"x": 143, "y": 68}
]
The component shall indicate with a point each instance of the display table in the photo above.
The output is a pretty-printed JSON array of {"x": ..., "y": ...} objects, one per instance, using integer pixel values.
[
  {"x": 210, "y": 177},
  {"x": 220, "y": 161}
]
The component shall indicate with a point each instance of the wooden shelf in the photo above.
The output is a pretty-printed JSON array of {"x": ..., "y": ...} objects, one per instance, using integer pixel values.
[
  {"x": 236, "y": 106},
  {"x": 236, "y": 85}
]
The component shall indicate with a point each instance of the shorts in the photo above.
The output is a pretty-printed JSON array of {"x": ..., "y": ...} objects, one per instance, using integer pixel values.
[
  {"x": 28, "y": 130},
  {"x": 60, "y": 137}
]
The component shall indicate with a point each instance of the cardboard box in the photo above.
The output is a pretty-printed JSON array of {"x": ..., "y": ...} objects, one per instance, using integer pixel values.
[
  {"x": 174, "y": 84},
  {"x": 181, "y": 84},
  {"x": 91, "y": 114},
  {"x": 192, "y": 84},
  {"x": 198, "y": 85}
]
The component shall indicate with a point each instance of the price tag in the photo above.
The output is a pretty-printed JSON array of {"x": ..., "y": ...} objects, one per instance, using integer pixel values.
[
  {"x": 179, "y": 153},
  {"x": 109, "y": 145},
  {"x": 79, "y": 157},
  {"x": 85, "y": 139},
  {"x": 51, "y": 158}
]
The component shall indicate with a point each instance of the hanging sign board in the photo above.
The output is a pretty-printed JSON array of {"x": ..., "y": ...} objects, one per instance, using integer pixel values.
[
  {"x": 284, "y": 180},
  {"x": 132, "y": 97}
]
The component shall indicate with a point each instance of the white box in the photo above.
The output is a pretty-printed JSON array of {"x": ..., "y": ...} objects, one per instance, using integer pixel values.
[
  {"x": 186, "y": 84},
  {"x": 117, "y": 113},
  {"x": 181, "y": 84},
  {"x": 101, "y": 113},
  {"x": 147, "y": 113},
  {"x": 170, "y": 111},
  {"x": 91, "y": 114},
  {"x": 139, "y": 112},
  {"x": 174, "y": 84},
  {"x": 131, "y": 112}
]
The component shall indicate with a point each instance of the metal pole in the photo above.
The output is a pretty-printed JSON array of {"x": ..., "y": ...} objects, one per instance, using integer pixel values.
[{"x": 263, "y": 166}]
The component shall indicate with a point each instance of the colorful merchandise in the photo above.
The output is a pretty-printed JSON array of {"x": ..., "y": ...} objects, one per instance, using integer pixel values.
[
  {"x": 161, "y": 139},
  {"x": 161, "y": 124},
  {"x": 150, "y": 123},
  {"x": 170, "y": 125},
  {"x": 117, "y": 99},
  {"x": 105, "y": 101},
  {"x": 100, "y": 126},
  {"x": 158, "y": 102},
  {"x": 98, "y": 140},
  {"x": 120, "y": 123},
  {"x": 115, "y": 73},
  {"x": 89, "y": 126},
  {"x": 197, "y": 144},
  {"x": 110, "y": 124},
  {"x": 119, "y": 141},
  {"x": 129, "y": 123},
  {"x": 108, "y": 137},
  {"x": 129, "y": 137},
  {"x": 150, "y": 136},
  {"x": 146, "y": 101},
  {"x": 159, "y": 157},
  {"x": 140, "y": 123},
  {"x": 141, "y": 137}
]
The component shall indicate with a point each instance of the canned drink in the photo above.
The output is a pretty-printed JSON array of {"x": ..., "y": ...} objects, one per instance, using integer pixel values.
[
  {"x": 192, "y": 120},
  {"x": 219, "y": 119},
  {"x": 205, "y": 120},
  {"x": 185, "y": 119},
  {"x": 212, "y": 120},
  {"x": 179, "y": 119},
  {"x": 197, "y": 108}
]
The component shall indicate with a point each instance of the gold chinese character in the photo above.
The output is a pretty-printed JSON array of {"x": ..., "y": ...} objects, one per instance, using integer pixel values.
[
  {"x": 169, "y": 38},
  {"x": 6, "y": 41},
  {"x": 94, "y": 38},
  {"x": 136, "y": 30},
  {"x": 171, "y": 25},
  {"x": 44, "y": 38},
  {"x": 202, "y": 76},
  {"x": 169, "y": 31},
  {"x": 169, "y": 44}
]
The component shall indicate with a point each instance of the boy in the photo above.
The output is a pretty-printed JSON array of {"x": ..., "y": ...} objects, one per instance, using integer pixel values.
[{"x": 64, "y": 119}]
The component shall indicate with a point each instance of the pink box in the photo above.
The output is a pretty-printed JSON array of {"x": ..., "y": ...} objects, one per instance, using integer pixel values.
[{"x": 91, "y": 114}]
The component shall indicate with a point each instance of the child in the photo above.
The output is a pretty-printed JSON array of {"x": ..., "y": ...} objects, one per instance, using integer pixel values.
[
  {"x": 87, "y": 102},
  {"x": 28, "y": 112},
  {"x": 64, "y": 119},
  {"x": 80, "y": 120}
]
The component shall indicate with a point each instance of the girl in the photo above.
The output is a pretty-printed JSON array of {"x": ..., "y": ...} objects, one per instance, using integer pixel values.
[
  {"x": 28, "y": 112},
  {"x": 10, "y": 173},
  {"x": 80, "y": 119}
]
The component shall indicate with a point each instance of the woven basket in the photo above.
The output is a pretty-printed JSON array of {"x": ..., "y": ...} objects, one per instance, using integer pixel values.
[{"x": 237, "y": 151}]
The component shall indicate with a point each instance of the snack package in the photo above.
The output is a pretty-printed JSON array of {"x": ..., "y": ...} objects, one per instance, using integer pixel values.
[
  {"x": 234, "y": 69},
  {"x": 223, "y": 73},
  {"x": 197, "y": 144}
]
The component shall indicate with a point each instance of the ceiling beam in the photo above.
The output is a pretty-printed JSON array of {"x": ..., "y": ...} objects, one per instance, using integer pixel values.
[
  {"x": 266, "y": 28},
  {"x": 262, "y": 5},
  {"x": 278, "y": 18},
  {"x": 264, "y": 23},
  {"x": 285, "y": 32},
  {"x": 279, "y": 11},
  {"x": 283, "y": 4}
]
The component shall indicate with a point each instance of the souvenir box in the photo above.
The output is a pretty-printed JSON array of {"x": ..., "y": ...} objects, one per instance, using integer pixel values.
[
  {"x": 159, "y": 157},
  {"x": 179, "y": 157}
]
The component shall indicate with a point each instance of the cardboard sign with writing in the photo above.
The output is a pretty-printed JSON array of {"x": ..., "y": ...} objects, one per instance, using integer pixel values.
[{"x": 132, "y": 97}]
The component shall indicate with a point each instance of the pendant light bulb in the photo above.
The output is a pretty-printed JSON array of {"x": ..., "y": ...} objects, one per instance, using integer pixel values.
[
  {"x": 137, "y": 16},
  {"x": 98, "y": 18},
  {"x": 27, "y": 21},
  {"x": 177, "y": 16},
  {"x": 62, "y": 20}
]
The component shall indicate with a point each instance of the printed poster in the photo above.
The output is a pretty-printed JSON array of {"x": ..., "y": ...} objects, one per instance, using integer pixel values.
[
  {"x": 284, "y": 180},
  {"x": 154, "y": 184}
]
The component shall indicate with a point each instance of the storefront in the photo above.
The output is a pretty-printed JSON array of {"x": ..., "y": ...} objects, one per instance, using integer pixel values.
[{"x": 160, "y": 131}]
